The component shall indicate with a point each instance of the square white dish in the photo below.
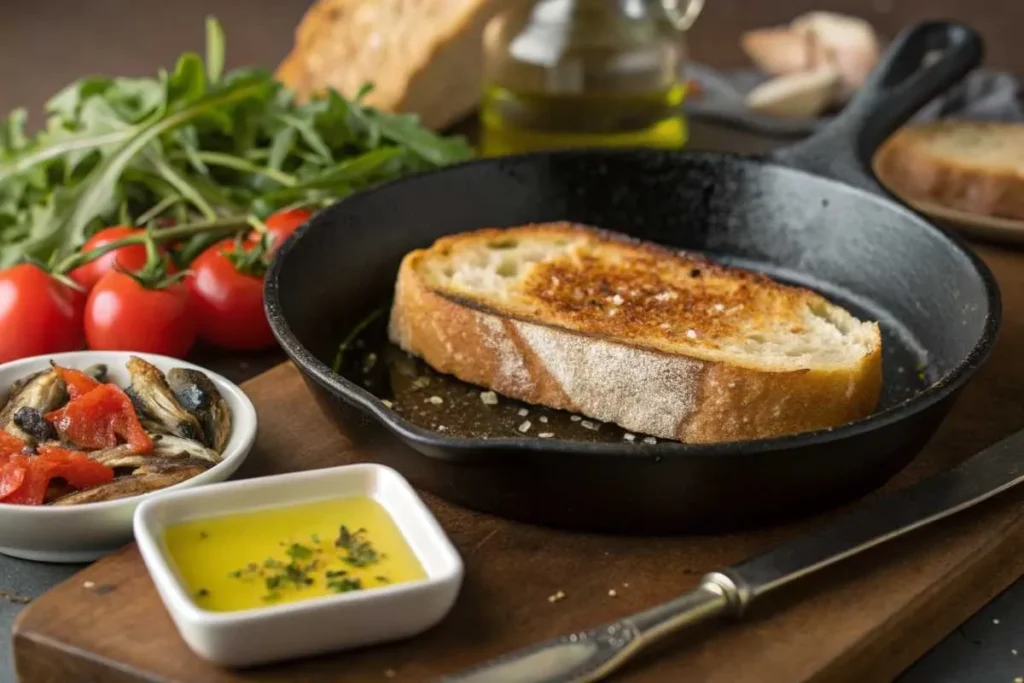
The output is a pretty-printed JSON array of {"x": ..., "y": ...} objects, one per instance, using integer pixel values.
[
  {"x": 83, "y": 533},
  {"x": 315, "y": 625}
]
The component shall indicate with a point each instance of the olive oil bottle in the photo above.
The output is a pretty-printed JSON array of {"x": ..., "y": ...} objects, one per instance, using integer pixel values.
[{"x": 585, "y": 73}]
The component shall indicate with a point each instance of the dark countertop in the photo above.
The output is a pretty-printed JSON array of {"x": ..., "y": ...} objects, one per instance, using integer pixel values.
[{"x": 46, "y": 43}]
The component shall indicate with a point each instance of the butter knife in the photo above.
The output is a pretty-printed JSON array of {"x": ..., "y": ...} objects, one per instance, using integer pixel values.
[{"x": 588, "y": 656}]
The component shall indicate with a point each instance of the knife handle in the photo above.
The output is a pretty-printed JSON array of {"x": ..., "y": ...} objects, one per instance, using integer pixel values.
[{"x": 588, "y": 656}]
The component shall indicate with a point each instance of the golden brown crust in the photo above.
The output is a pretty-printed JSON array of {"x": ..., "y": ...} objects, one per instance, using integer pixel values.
[
  {"x": 908, "y": 163},
  {"x": 451, "y": 338},
  {"x": 740, "y": 404},
  {"x": 422, "y": 57},
  {"x": 641, "y": 389}
]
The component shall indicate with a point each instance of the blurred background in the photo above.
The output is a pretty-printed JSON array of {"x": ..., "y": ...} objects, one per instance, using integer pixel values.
[{"x": 44, "y": 44}]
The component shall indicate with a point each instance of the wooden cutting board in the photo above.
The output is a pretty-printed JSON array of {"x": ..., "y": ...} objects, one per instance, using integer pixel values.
[{"x": 863, "y": 621}]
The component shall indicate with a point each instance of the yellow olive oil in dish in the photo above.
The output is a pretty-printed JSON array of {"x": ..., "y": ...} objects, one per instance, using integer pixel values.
[{"x": 274, "y": 556}]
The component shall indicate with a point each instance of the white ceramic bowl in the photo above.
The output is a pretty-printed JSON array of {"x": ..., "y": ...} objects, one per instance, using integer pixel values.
[
  {"x": 316, "y": 625},
  {"x": 83, "y": 533}
]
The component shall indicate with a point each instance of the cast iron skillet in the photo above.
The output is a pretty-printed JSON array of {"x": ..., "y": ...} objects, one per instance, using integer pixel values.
[{"x": 810, "y": 214}]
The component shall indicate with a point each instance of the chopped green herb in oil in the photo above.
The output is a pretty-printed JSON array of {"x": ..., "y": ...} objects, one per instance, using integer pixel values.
[{"x": 303, "y": 566}]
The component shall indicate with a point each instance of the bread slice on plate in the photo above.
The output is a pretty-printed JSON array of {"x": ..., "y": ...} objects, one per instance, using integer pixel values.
[
  {"x": 972, "y": 166},
  {"x": 657, "y": 341},
  {"x": 423, "y": 56}
]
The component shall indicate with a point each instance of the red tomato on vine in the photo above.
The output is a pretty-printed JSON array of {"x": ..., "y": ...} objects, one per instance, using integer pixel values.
[
  {"x": 38, "y": 313},
  {"x": 226, "y": 286},
  {"x": 131, "y": 257}
]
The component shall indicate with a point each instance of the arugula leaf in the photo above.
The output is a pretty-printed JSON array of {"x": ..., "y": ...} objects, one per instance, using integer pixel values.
[
  {"x": 405, "y": 130},
  {"x": 214, "y": 50},
  {"x": 190, "y": 144},
  {"x": 188, "y": 82},
  {"x": 66, "y": 103},
  {"x": 101, "y": 185}
]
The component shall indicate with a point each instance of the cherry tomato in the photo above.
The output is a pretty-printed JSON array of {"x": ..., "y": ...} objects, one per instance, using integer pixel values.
[
  {"x": 39, "y": 314},
  {"x": 129, "y": 258},
  {"x": 228, "y": 304},
  {"x": 123, "y": 315},
  {"x": 283, "y": 223}
]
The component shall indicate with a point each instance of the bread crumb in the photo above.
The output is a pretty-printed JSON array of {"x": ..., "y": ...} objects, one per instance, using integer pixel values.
[
  {"x": 436, "y": 400},
  {"x": 587, "y": 424},
  {"x": 575, "y": 418},
  {"x": 489, "y": 398},
  {"x": 995, "y": 621},
  {"x": 617, "y": 300},
  {"x": 387, "y": 403},
  {"x": 650, "y": 439},
  {"x": 421, "y": 383},
  {"x": 691, "y": 334},
  {"x": 523, "y": 412},
  {"x": 88, "y": 585},
  {"x": 625, "y": 584},
  {"x": 544, "y": 419},
  {"x": 1013, "y": 652},
  {"x": 719, "y": 307},
  {"x": 441, "y": 428},
  {"x": 666, "y": 296},
  {"x": 629, "y": 437},
  {"x": 525, "y": 427},
  {"x": 612, "y": 593},
  {"x": 612, "y": 312},
  {"x": 546, "y": 435},
  {"x": 556, "y": 597}
]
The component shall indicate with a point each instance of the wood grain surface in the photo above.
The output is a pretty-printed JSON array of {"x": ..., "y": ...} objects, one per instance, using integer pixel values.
[{"x": 864, "y": 621}]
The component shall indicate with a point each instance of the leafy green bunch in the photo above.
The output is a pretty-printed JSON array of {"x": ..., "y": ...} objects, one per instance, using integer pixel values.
[{"x": 196, "y": 146}]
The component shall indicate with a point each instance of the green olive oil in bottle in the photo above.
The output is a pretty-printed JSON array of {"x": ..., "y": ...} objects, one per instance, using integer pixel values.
[{"x": 585, "y": 73}]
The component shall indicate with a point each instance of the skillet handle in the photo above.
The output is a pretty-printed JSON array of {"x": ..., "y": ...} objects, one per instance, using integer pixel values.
[{"x": 900, "y": 85}]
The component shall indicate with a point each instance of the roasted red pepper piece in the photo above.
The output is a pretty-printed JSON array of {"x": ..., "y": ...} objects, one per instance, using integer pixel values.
[
  {"x": 12, "y": 476},
  {"x": 52, "y": 462},
  {"x": 76, "y": 468},
  {"x": 100, "y": 418},
  {"x": 78, "y": 382},
  {"x": 35, "y": 481},
  {"x": 9, "y": 445}
]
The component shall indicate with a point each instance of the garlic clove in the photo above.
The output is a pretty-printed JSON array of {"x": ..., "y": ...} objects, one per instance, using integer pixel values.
[
  {"x": 813, "y": 41},
  {"x": 777, "y": 50},
  {"x": 851, "y": 43},
  {"x": 805, "y": 94}
]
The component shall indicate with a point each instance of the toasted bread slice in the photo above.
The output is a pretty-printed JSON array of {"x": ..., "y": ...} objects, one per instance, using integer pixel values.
[
  {"x": 423, "y": 56},
  {"x": 659, "y": 342},
  {"x": 973, "y": 166}
]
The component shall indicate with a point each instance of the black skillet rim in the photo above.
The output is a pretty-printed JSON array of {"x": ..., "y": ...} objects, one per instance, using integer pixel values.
[{"x": 935, "y": 392}]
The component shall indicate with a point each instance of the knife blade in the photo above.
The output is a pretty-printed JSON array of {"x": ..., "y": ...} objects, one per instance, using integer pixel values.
[{"x": 588, "y": 656}]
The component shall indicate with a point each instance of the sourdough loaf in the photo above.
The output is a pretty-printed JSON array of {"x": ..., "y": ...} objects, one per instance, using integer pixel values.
[{"x": 422, "y": 56}]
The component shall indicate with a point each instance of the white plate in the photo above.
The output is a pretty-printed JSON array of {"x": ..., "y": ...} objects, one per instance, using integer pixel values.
[
  {"x": 83, "y": 533},
  {"x": 317, "y": 625}
]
